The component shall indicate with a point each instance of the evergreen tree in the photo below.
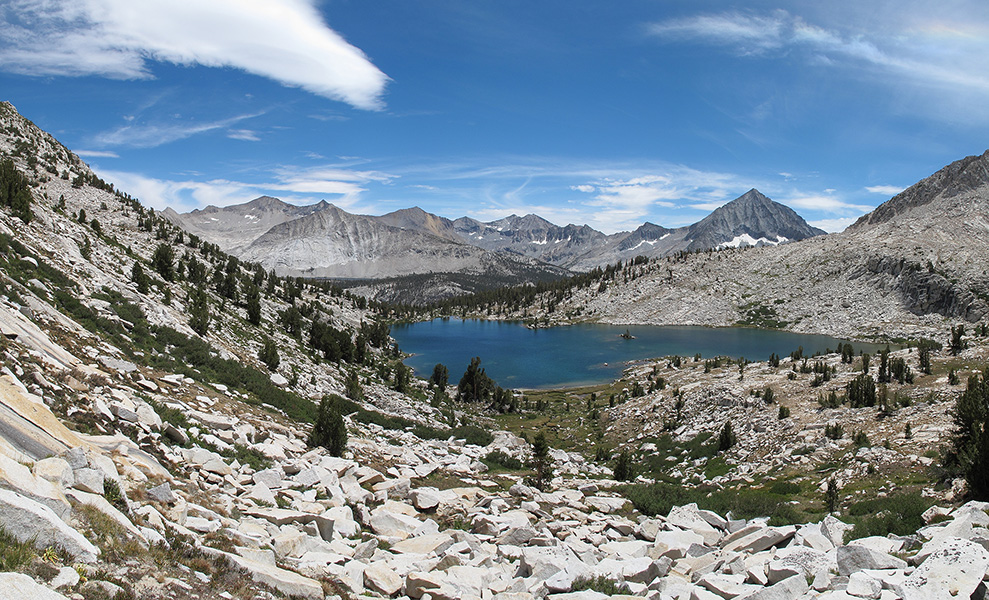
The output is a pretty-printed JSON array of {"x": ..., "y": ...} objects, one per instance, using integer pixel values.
[
  {"x": 475, "y": 385},
  {"x": 15, "y": 191},
  {"x": 254, "y": 305},
  {"x": 162, "y": 261},
  {"x": 291, "y": 320},
  {"x": 831, "y": 495},
  {"x": 441, "y": 375},
  {"x": 138, "y": 276},
  {"x": 329, "y": 430},
  {"x": 541, "y": 463},
  {"x": 353, "y": 386},
  {"x": 199, "y": 315},
  {"x": 624, "y": 469},
  {"x": 969, "y": 453},
  {"x": 726, "y": 439},
  {"x": 957, "y": 343},
  {"x": 884, "y": 374},
  {"x": 861, "y": 391},
  {"x": 402, "y": 378},
  {"x": 924, "y": 357},
  {"x": 768, "y": 395},
  {"x": 269, "y": 354}
]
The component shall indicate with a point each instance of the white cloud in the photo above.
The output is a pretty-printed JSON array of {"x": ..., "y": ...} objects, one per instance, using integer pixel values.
[
  {"x": 149, "y": 136},
  {"x": 708, "y": 206},
  {"x": 834, "y": 225},
  {"x": 284, "y": 40},
  {"x": 624, "y": 203},
  {"x": 829, "y": 203},
  {"x": 886, "y": 190},
  {"x": 96, "y": 154},
  {"x": 340, "y": 186},
  {"x": 245, "y": 135}
]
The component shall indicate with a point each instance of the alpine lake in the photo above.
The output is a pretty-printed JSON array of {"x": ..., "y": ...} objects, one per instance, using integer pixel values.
[{"x": 517, "y": 357}]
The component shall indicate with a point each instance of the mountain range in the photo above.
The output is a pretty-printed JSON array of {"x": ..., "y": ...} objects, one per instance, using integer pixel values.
[
  {"x": 913, "y": 263},
  {"x": 322, "y": 240}
]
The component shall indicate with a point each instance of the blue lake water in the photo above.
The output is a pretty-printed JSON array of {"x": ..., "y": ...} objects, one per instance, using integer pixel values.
[{"x": 521, "y": 358}]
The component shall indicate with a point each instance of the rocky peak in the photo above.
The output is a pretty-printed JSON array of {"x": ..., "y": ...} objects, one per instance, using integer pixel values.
[
  {"x": 751, "y": 219},
  {"x": 961, "y": 176}
]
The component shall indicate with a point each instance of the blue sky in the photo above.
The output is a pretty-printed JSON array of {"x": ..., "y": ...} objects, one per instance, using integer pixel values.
[{"x": 609, "y": 114}]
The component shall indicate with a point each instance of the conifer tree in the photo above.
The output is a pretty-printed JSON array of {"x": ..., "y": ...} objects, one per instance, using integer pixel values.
[
  {"x": 329, "y": 430},
  {"x": 441, "y": 375},
  {"x": 726, "y": 439},
  {"x": 541, "y": 463},
  {"x": 162, "y": 261},
  {"x": 139, "y": 277},
  {"x": 624, "y": 470},
  {"x": 254, "y": 305},
  {"x": 269, "y": 354},
  {"x": 199, "y": 315},
  {"x": 969, "y": 453},
  {"x": 475, "y": 385}
]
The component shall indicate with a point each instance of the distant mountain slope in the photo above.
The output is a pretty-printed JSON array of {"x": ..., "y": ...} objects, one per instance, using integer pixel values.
[
  {"x": 233, "y": 228},
  {"x": 334, "y": 243},
  {"x": 531, "y": 236},
  {"x": 418, "y": 219}
]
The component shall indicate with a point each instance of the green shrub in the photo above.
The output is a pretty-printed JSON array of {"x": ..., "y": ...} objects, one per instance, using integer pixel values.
[
  {"x": 659, "y": 498},
  {"x": 785, "y": 488},
  {"x": 600, "y": 584},
  {"x": 624, "y": 470},
  {"x": 860, "y": 439},
  {"x": 897, "y": 515},
  {"x": 496, "y": 459},
  {"x": 14, "y": 555},
  {"x": 249, "y": 456},
  {"x": 834, "y": 431}
]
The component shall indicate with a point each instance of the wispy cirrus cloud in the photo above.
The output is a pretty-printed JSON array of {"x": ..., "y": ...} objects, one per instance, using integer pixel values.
[
  {"x": 96, "y": 154},
  {"x": 926, "y": 48},
  {"x": 157, "y": 134},
  {"x": 283, "y": 40},
  {"x": 244, "y": 135}
]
